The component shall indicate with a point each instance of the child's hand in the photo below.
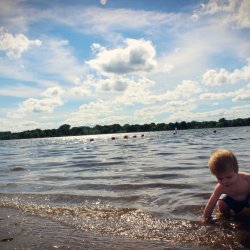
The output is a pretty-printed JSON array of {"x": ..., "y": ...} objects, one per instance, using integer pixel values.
[{"x": 205, "y": 220}]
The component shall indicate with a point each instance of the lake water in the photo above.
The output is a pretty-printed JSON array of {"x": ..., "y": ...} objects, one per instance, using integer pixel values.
[{"x": 148, "y": 190}]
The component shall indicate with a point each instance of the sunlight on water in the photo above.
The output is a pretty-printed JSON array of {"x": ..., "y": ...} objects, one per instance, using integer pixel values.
[
  {"x": 130, "y": 222},
  {"x": 150, "y": 188}
]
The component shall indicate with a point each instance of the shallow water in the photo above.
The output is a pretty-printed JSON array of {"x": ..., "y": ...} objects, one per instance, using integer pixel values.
[{"x": 148, "y": 188}]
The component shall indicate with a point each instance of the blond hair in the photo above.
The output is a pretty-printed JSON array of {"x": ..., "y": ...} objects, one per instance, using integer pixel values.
[{"x": 222, "y": 160}]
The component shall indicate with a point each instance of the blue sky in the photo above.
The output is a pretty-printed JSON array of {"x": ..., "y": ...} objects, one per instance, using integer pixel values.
[{"x": 89, "y": 62}]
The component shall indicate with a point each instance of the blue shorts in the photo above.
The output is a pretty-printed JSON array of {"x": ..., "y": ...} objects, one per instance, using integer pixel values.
[{"x": 237, "y": 206}]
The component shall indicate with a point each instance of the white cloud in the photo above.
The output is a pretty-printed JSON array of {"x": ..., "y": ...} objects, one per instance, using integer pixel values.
[
  {"x": 5, "y": 125},
  {"x": 237, "y": 112},
  {"x": 19, "y": 90},
  {"x": 80, "y": 91},
  {"x": 130, "y": 83},
  {"x": 141, "y": 91},
  {"x": 52, "y": 92},
  {"x": 18, "y": 15},
  {"x": 110, "y": 112},
  {"x": 32, "y": 105},
  {"x": 74, "y": 79},
  {"x": 105, "y": 21},
  {"x": 113, "y": 84},
  {"x": 168, "y": 107},
  {"x": 83, "y": 89},
  {"x": 54, "y": 63},
  {"x": 213, "y": 115},
  {"x": 14, "y": 16},
  {"x": 243, "y": 17},
  {"x": 18, "y": 125},
  {"x": 16, "y": 72},
  {"x": 215, "y": 6},
  {"x": 97, "y": 112},
  {"x": 136, "y": 56},
  {"x": 120, "y": 90},
  {"x": 137, "y": 91},
  {"x": 214, "y": 96},
  {"x": 183, "y": 91},
  {"x": 103, "y": 2},
  {"x": 242, "y": 94},
  {"x": 219, "y": 77},
  {"x": 57, "y": 59},
  {"x": 14, "y": 46},
  {"x": 186, "y": 59},
  {"x": 92, "y": 87},
  {"x": 96, "y": 48},
  {"x": 235, "y": 11},
  {"x": 40, "y": 105}
]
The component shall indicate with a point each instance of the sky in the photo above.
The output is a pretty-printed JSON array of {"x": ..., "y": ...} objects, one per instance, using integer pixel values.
[{"x": 88, "y": 62}]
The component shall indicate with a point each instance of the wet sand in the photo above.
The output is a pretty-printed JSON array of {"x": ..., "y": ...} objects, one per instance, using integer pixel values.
[{"x": 24, "y": 231}]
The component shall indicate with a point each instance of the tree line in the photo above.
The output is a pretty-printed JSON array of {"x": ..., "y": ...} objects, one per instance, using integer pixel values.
[{"x": 66, "y": 130}]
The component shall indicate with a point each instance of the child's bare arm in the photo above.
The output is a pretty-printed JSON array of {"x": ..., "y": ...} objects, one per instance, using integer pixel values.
[
  {"x": 247, "y": 177},
  {"x": 211, "y": 203}
]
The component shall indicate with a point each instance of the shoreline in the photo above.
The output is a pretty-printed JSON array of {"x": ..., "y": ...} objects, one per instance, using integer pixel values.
[
  {"x": 19, "y": 230},
  {"x": 66, "y": 130}
]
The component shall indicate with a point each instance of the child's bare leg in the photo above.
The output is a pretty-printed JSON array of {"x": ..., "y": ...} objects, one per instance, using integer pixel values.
[{"x": 224, "y": 208}]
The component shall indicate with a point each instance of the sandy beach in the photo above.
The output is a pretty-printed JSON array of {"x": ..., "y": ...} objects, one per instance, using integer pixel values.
[{"x": 23, "y": 231}]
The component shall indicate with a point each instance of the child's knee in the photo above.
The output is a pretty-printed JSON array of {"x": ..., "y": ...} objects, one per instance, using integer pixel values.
[{"x": 223, "y": 207}]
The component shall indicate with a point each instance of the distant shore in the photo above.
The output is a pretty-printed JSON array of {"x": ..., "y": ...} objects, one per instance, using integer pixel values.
[{"x": 66, "y": 130}]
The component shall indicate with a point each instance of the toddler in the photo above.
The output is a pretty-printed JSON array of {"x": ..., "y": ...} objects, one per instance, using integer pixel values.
[{"x": 233, "y": 189}]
